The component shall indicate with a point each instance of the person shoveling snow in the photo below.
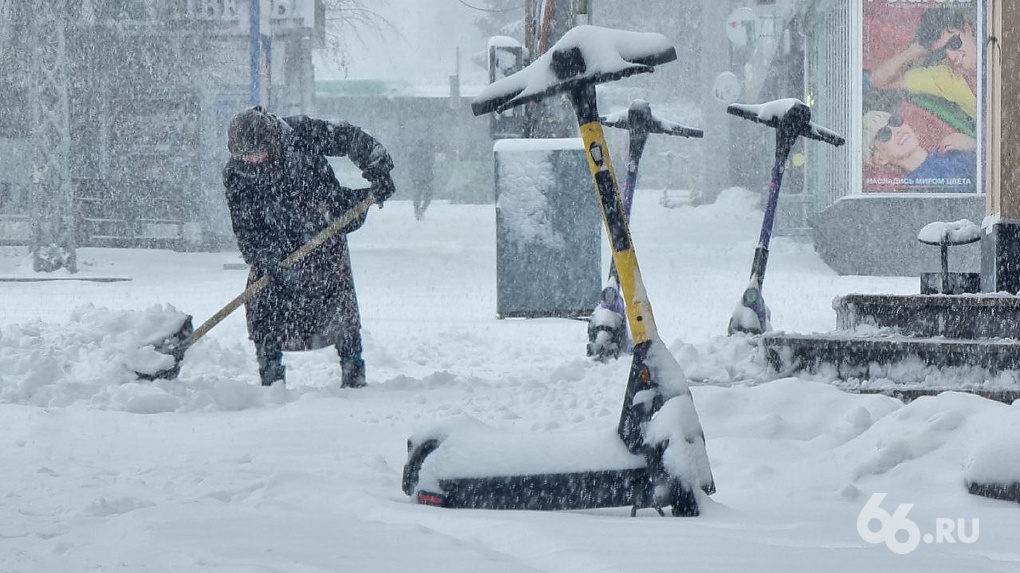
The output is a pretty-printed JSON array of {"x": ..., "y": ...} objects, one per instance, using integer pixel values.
[
  {"x": 281, "y": 190},
  {"x": 285, "y": 201}
]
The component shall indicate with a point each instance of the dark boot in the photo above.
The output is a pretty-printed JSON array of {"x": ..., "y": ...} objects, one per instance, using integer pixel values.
[
  {"x": 353, "y": 373},
  {"x": 271, "y": 367},
  {"x": 351, "y": 363}
]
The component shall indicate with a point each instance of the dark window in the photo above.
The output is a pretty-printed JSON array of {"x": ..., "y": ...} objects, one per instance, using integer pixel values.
[{"x": 15, "y": 115}]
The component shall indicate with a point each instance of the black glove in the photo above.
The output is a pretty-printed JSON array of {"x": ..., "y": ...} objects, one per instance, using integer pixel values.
[
  {"x": 382, "y": 188},
  {"x": 286, "y": 277}
]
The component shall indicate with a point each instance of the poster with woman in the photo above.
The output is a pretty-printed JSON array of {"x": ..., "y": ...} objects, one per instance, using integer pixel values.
[{"x": 921, "y": 86}]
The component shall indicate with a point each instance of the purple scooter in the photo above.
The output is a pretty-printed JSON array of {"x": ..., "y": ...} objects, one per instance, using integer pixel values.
[
  {"x": 791, "y": 118},
  {"x": 607, "y": 327}
]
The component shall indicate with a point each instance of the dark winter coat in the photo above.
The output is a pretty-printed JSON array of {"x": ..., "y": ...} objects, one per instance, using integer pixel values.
[{"x": 276, "y": 209}]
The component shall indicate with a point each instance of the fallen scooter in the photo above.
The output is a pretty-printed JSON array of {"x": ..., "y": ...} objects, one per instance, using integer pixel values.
[
  {"x": 791, "y": 119},
  {"x": 607, "y": 326},
  {"x": 656, "y": 457}
]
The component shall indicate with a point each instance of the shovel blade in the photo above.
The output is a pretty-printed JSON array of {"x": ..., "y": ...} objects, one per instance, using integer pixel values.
[{"x": 173, "y": 345}]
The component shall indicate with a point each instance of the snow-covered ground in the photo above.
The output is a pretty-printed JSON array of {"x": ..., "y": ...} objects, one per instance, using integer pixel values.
[{"x": 211, "y": 472}]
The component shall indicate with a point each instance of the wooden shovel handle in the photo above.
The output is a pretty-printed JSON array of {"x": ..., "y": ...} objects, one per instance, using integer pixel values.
[{"x": 295, "y": 257}]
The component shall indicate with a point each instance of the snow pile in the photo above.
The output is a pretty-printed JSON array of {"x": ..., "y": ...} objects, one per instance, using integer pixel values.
[
  {"x": 57, "y": 364},
  {"x": 996, "y": 457},
  {"x": 723, "y": 361},
  {"x": 735, "y": 207},
  {"x": 92, "y": 359},
  {"x": 840, "y": 444}
]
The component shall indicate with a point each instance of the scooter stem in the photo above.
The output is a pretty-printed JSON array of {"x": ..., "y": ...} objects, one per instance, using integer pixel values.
[
  {"x": 784, "y": 144},
  {"x": 639, "y": 309}
]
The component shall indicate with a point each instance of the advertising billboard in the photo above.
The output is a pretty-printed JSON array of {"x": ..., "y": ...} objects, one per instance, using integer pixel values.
[
  {"x": 921, "y": 96},
  {"x": 227, "y": 17}
]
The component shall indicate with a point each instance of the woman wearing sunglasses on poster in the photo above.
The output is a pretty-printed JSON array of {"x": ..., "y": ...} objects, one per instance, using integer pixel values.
[
  {"x": 947, "y": 35},
  {"x": 892, "y": 145}
]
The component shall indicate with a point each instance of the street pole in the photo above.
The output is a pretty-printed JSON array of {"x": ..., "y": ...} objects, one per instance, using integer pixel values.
[
  {"x": 530, "y": 30},
  {"x": 254, "y": 53},
  {"x": 582, "y": 15},
  {"x": 259, "y": 52},
  {"x": 1000, "y": 243},
  {"x": 715, "y": 59},
  {"x": 52, "y": 194}
]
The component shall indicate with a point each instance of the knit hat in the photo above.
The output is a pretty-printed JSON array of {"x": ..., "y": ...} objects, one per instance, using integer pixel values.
[{"x": 253, "y": 130}]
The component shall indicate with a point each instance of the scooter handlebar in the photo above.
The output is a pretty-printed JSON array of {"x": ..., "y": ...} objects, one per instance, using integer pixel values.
[
  {"x": 670, "y": 128},
  {"x": 811, "y": 131},
  {"x": 751, "y": 114},
  {"x": 820, "y": 133},
  {"x": 655, "y": 125}
]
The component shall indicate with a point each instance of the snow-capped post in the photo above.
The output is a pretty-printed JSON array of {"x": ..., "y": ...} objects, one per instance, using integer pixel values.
[
  {"x": 607, "y": 336},
  {"x": 659, "y": 420},
  {"x": 945, "y": 235},
  {"x": 791, "y": 119},
  {"x": 506, "y": 56}
]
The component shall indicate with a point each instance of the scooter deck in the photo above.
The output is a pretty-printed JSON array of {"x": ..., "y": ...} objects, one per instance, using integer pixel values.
[
  {"x": 540, "y": 492},
  {"x": 468, "y": 464}
]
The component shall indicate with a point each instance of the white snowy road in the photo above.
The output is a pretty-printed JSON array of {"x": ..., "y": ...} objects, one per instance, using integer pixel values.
[{"x": 213, "y": 473}]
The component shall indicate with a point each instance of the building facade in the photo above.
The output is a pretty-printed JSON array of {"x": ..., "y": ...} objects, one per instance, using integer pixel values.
[{"x": 116, "y": 112}]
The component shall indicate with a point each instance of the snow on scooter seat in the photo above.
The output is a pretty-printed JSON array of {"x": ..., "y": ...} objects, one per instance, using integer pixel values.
[{"x": 471, "y": 449}]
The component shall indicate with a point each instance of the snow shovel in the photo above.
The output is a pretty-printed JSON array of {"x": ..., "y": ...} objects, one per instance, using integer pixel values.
[
  {"x": 607, "y": 333},
  {"x": 663, "y": 458},
  {"x": 178, "y": 343},
  {"x": 791, "y": 119}
]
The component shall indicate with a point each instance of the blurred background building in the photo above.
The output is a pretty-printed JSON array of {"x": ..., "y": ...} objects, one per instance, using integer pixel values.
[{"x": 113, "y": 112}]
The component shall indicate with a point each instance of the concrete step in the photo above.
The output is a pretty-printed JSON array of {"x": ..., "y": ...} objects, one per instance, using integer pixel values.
[
  {"x": 952, "y": 316},
  {"x": 908, "y": 367}
]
